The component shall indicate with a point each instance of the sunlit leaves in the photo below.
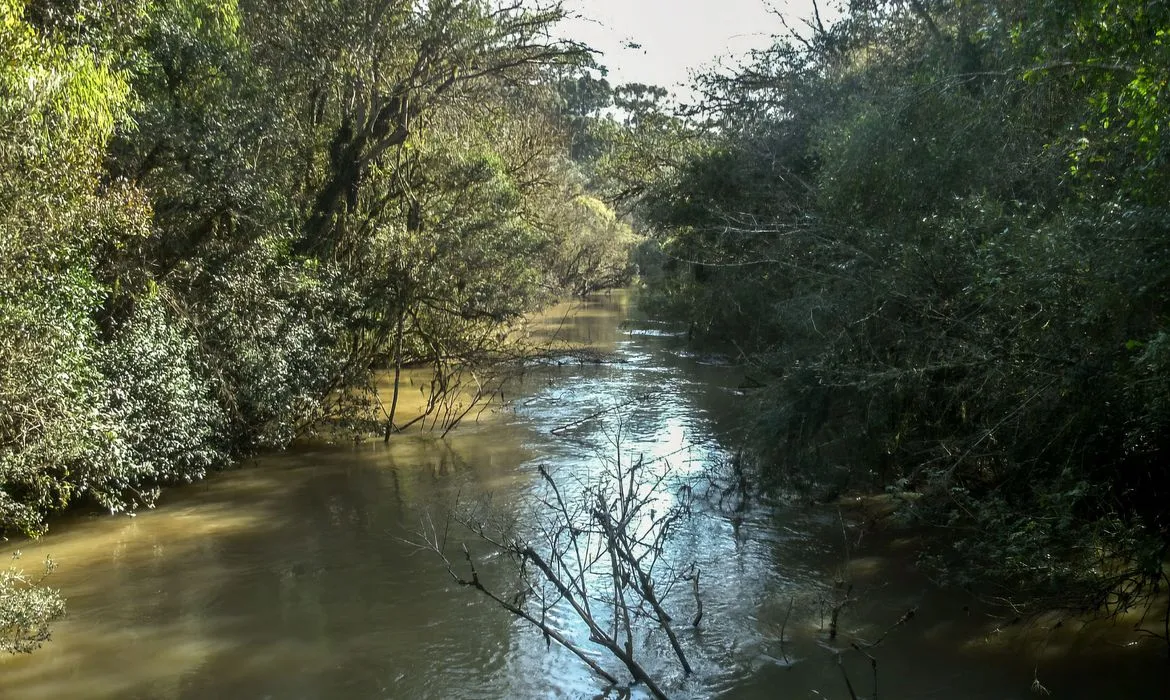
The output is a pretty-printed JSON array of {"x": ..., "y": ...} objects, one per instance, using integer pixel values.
[
  {"x": 26, "y": 608},
  {"x": 58, "y": 107}
]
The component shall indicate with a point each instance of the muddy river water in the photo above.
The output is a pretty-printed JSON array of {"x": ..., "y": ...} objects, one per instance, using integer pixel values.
[{"x": 294, "y": 576}]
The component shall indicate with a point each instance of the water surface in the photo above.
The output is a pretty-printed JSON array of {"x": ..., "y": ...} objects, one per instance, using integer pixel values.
[{"x": 294, "y": 577}]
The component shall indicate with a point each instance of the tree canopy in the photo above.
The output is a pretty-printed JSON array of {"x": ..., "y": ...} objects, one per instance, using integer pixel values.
[
  {"x": 219, "y": 218},
  {"x": 937, "y": 230}
]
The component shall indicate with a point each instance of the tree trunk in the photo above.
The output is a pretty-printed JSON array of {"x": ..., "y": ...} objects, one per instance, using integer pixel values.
[{"x": 397, "y": 374}]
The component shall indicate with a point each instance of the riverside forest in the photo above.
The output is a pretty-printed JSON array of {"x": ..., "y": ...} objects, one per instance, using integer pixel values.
[{"x": 389, "y": 349}]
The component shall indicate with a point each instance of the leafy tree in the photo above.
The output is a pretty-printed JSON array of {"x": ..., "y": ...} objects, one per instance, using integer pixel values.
[
  {"x": 58, "y": 108},
  {"x": 935, "y": 229},
  {"x": 221, "y": 217},
  {"x": 593, "y": 250}
]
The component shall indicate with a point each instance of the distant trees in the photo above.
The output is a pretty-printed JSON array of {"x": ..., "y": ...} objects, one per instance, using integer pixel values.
[
  {"x": 596, "y": 255},
  {"x": 938, "y": 230}
]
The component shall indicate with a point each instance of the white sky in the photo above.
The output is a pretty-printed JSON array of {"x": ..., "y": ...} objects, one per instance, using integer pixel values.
[{"x": 678, "y": 36}]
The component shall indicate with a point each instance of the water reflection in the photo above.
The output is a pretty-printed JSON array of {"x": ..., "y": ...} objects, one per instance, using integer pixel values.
[{"x": 292, "y": 578}]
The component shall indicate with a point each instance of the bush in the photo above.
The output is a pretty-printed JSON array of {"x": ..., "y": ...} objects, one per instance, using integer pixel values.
[
  {"x": 163, "y": 424},
  {"x": 948, "y": 265},
  {"x": 27, "y": 608}
]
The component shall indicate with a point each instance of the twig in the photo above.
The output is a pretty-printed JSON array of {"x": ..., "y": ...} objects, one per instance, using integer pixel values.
[
  {"x": 602, "y": 544},
  {"x": 845, "y": 675},
  {"x": 873, "y": 664},
  {"x": 698, "y": 601},
  {"x": 548, "y": 631},
  {"x": 783, "y": 627},
  {"x": 901, "y": 621},
  {"x": 602, "y": 412}
]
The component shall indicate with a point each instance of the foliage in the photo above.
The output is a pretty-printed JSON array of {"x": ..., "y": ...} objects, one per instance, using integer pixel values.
[
  {"x": 937, "y": 230},
  {"x": 57, "y": 109},
  {"x": 26, "y": 610},
  {"x": 593, "y": 251},
  {"x": 166, "y": 425},
  {"x": 218, "y": 219},
  {"x": 624, "y": 137}
]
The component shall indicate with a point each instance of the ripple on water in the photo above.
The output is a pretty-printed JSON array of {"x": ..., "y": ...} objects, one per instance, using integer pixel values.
[{"x": 296, "y": 578}]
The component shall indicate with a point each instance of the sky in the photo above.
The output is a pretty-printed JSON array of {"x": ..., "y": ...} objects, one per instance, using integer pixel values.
[{"x": 677, "y": 36}]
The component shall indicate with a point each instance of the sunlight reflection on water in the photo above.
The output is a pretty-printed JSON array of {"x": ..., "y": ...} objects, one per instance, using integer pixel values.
[{"x": 293, "y": 579}]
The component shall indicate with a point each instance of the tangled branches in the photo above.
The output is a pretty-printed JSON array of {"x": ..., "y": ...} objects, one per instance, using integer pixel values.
[{"x": 598, "y": 550}]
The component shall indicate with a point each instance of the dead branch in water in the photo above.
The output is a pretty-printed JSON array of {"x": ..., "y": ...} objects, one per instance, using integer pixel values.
[
  {"x": 859, "y": 646},
  {"x": 597, "y": 414},
  {"x": 783, "y": 627},
  {"x": 597, "y": 550},
  {"x": 694, "y": 579}
]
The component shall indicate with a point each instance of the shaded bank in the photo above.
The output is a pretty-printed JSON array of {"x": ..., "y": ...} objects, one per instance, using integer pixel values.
[{"x": 938, "y": 231}]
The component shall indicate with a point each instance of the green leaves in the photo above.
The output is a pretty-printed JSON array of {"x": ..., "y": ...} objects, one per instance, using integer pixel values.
[
  {"x": 59, "y": 107},
  {"x": 26, "y": 608},
  {"x": 214, "y": 212},
  {"x": 944, "y": 243}
]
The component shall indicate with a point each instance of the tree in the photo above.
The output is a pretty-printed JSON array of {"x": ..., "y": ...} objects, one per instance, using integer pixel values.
[
  {"x": 932, "y": 227},
  {"x": 58, "y": 107},
  {"x": 220, "y": 218}
]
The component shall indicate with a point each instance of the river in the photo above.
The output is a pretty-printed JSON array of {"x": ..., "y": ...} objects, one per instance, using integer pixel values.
[{"x": 296, "y": 577}]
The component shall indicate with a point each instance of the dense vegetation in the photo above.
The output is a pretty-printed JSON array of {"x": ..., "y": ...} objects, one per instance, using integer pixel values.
[
  {"x": 935, "y": 228},
  {"x": 938, "y": 230},
  {"x": 219, "y": 217}
]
